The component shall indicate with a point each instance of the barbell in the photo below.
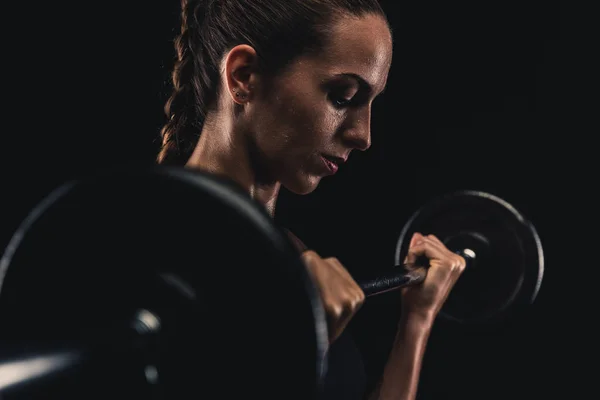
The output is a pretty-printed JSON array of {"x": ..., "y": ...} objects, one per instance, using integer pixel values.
[{"x": 124, "y": 277}]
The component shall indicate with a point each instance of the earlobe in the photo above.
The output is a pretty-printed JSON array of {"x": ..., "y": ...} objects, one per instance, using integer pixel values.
[
  {"x": 240, "y": 95},
  {"x": 240, "y": 66}
]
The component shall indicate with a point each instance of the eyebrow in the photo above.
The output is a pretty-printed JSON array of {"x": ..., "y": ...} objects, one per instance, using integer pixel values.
[{"x": 361, "y": 81}]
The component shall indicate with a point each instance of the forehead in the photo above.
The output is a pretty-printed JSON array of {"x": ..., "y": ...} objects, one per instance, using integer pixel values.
[{"x": 361, "y": 45}]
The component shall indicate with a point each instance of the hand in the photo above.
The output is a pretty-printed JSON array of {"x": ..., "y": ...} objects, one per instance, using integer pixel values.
[
  {"x": 426, "y": 300},
  {"x": 340, "y": 294}
]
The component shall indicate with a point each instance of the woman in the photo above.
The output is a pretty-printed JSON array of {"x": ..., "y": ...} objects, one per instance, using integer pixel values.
[{"x": 275, "y": 93}]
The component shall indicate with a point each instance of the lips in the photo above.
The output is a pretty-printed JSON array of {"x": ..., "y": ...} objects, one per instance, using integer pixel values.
[
  {"x": 334, "y": 159},
  {"x": 332, "y": 162}
]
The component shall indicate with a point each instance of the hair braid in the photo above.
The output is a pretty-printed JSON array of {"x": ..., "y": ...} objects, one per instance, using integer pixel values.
[{"x": 185, "y": 109}]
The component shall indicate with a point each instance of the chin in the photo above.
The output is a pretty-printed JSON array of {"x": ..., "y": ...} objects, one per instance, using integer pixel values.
[{"x": 302, "y": 185}]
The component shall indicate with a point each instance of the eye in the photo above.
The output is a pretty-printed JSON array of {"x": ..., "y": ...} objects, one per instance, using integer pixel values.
[
  {"x": 340, "y": 101},
  {"x": 343, "y": 93},
  {"x": 342, "y": 96}
]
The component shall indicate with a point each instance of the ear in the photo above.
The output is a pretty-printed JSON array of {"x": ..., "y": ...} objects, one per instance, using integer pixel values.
[{"x": 240, "y": 72}]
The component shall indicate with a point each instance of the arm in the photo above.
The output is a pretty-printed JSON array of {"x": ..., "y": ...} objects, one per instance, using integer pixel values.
[
  {"x": 420, "y": 306},
  {"x": 401, "y": 373}
]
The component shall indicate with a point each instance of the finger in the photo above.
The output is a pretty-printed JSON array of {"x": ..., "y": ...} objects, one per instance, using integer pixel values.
[
  {"x": 349, "y": 306},
  {"x": 309, "y": 255},
  {"x": 353, "y": 293},
  {"x": 460, "y": 263},
  {"x": 435, "y": 239},
  {"x": 435, "y": 242},
  {"x": 339, "y": 267},
  {"x": 334, "y": 324},
  {"x": 416, "y": 237},
  {"x": 311, "y": 260},
  {"x": 339, "y": 314},
  {"x": 452, "y": 255},
  {"x": 314, "y": 266},
  {"x": 425, "y": 248},
  {"x": 454, "y": 264},
  {"x": 359, "y": 299}
]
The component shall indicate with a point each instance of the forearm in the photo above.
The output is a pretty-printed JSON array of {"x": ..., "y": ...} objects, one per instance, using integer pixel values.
[{"x": 400, "y": 377}]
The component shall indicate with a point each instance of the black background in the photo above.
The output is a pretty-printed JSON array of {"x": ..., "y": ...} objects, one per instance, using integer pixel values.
[{"x": 492, "y": 96}]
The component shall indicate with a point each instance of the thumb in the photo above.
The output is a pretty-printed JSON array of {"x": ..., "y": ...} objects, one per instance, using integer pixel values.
[
  {"x": 417, "y": 237},
  {"x": 418, "y": 253}
]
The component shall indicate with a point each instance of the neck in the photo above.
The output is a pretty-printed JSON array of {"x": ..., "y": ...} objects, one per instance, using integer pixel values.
[{"x": 222, "y": 150}]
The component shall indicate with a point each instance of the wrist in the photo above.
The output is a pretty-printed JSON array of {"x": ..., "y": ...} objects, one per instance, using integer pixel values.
[{"x": 417, "y": 321}]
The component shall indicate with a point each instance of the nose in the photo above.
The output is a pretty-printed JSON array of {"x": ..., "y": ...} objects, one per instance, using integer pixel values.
[{"x": 357, "y": 134}]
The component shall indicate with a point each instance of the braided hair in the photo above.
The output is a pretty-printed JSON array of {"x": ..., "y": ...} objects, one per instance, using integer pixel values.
[{"x": 279, "y": 31}]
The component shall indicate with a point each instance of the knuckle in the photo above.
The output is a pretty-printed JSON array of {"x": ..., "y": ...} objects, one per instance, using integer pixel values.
[
  {"x": 360, "y": 297},
  {"x": 457, "y": 264},
  {"x": 357, "y": 302},
  {"x": 309, "y": 256},
  {"x": 334, "y": 310},
  {"x": 354, "y": 301},
  {"x": 348, "y": 309},
  {"x": 418, "y": 247},
  {"x": 462, "y": 263},
  {"x": 349, "y": 303},
  {"x": 332, "y": 260}
]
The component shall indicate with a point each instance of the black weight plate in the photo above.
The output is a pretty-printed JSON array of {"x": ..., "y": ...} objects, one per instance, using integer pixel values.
[
  {"x": 97, "y": 250},
  {"x": 507, "y": 271}
]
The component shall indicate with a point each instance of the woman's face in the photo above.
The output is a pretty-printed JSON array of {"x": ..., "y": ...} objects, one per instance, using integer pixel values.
[{"x": 319, "y": 109}]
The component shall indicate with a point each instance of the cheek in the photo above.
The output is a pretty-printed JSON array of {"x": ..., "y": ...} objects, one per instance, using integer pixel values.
[
  {"x": 313, "y": 124},
  {"x": 295, "y": 124}
]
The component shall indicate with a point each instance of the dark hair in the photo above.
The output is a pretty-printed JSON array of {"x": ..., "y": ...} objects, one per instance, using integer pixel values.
[{"x": 279, "y": 31}]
